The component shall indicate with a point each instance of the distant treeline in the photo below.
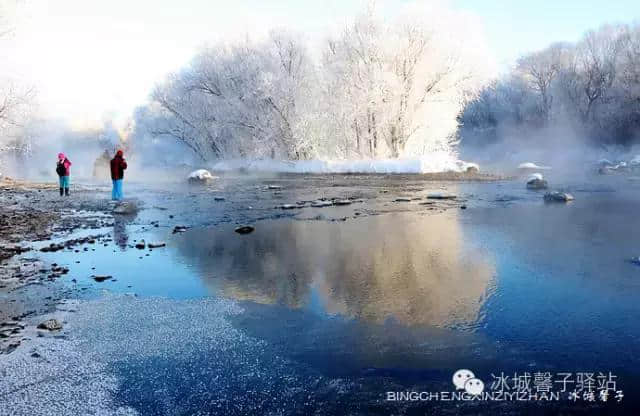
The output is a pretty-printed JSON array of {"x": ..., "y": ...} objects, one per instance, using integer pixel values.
[{"x": 592, "y": 87}]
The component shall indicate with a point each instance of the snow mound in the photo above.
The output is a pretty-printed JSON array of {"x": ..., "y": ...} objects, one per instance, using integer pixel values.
[
  {"x": 535, "y": 176},
  {"x": 428, "y": 164},
  {"x": 531, "y": 165},
  {"x": 201, "y": 175}
]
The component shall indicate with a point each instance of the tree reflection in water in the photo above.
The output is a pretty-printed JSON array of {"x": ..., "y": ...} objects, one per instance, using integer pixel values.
[{"x": 416, "y": 269}]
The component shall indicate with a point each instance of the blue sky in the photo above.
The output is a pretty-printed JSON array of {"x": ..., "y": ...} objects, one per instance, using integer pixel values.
[
  {"x": 94, "y": 60},
  {"x": 516, "y": 27}
]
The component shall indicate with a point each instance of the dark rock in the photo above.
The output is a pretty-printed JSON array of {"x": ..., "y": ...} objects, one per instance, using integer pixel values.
[
  {"x": 101, "y": 278},
  {"x": 245, "y": 229},
  {"x": 179, "y": 229},
  {"x": 50, "y": 325},
  {"x": 441, "y": 196},
  {"x": 558, "y": 197},
  {"x": 537, "y": 183}
]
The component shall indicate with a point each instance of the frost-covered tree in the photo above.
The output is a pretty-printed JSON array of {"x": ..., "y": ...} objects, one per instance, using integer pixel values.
[
  {"x": 379, "y": 89},
  {"x": 397, "y": 86},
  {"x": 238, "y": 100},
  {"x": 592, "y": 86}
]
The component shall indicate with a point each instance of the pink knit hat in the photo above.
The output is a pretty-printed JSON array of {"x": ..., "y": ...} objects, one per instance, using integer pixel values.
[{"x": 61, "y": 156}]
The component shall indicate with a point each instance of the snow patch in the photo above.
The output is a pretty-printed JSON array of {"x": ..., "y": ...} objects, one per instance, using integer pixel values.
[
  {"x": 201, "y": 174},
  {"x": 531, "y": 165},
  {"x": 433, "y": 163}
]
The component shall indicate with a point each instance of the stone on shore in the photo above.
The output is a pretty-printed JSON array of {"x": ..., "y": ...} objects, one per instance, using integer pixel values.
[{"x": 50, "y": 325}]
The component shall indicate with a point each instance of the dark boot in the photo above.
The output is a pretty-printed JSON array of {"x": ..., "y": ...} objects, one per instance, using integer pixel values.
[
  {"x": 66, "y": 191},
  {"x": 61, "y": 191}
]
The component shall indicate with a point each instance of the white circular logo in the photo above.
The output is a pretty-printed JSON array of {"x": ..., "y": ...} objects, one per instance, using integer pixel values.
[
  {"x": 460, "y": 377},
  {"x": 474, "y": 386}
]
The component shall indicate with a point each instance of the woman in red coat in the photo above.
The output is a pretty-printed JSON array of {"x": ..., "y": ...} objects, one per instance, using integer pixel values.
[
  {"x": 118, "y": 166},
  {"x": 63, "y": 170}
]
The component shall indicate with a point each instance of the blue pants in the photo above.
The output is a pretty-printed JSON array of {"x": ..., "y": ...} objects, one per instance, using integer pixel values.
[
  {"x": 64, "y": 181},
  {"x": 116, "y": 192}
]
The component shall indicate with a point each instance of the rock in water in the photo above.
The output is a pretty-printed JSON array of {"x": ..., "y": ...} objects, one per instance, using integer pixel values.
[
  {"x": 200, "y": 176},
  {"x": 441, "y": 196},
  {"x": 558, "y": 197},
  {"x": 141, "y": 245},
  {"x": 50, "y": 325},
  {"x": 180, "y": 229},
  {"x": 101, "y": 278},
  {"x": 245, "y": 229},
  {"x": 403, "y": 199},
  {"x": 536, "y": 181},
  {"x": 274, "y": 187},
  {"x": 157, "y": 245}
]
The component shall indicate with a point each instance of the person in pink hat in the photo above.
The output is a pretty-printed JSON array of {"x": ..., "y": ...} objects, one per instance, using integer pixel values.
[{"x": 63, "y": 171}]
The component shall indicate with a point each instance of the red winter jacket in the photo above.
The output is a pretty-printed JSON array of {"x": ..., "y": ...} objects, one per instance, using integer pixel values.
[
  {"x": 67, "y": 164},
  {"x": 118, "y": 165}
]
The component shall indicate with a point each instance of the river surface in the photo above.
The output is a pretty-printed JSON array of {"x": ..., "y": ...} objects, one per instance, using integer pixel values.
[{"x": 327, "y": 310}]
